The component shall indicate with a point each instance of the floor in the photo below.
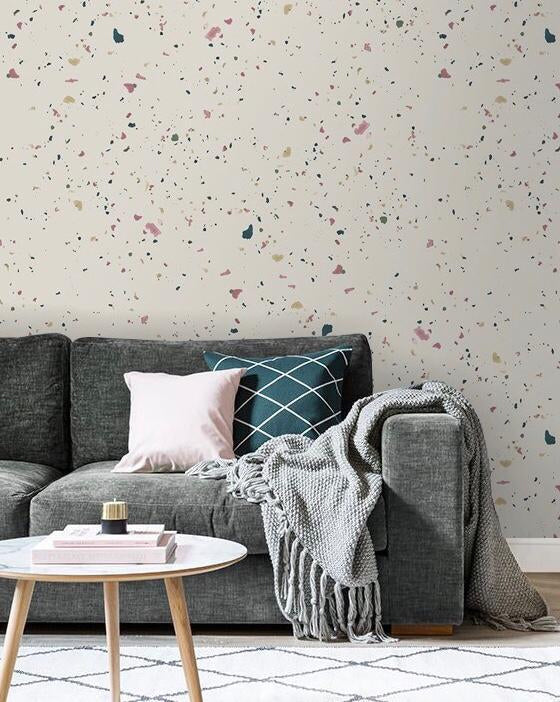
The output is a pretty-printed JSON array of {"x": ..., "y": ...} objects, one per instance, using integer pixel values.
[{"x": 467, "y": 634}]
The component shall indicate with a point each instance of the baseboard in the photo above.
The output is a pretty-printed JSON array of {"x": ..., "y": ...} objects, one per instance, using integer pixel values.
[{"x": 536, "y": 555}]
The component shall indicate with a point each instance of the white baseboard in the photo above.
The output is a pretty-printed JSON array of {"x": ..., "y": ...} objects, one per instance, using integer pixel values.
[{"x": 536, "y": 555}]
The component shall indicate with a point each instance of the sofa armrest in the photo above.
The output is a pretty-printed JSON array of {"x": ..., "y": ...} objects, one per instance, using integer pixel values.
[{"x": 423, "y": 489}]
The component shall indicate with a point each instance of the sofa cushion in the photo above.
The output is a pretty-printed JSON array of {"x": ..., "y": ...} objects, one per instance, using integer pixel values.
[
  {"x": 169, "y": 432},
  {"x": 293, "y": 394},
  {"x": 100, "y": 398},
  {"x": 19, "y": 482},
  {"x": 187, "y": 504},
  {"x": 34, "y": 397}
]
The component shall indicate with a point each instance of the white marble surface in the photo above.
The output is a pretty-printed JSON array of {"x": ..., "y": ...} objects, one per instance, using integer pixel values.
[{"x": 193, "y": 553}]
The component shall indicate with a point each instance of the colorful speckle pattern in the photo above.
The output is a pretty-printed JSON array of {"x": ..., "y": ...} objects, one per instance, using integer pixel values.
[{"x": 194, "y": 170}]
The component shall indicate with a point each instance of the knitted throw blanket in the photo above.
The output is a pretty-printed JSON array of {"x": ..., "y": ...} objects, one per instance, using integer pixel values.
[{"x": 316, "y": 497}]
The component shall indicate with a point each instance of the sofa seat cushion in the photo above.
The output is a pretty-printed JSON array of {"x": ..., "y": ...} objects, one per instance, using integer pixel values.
[
  {"x": 188, "y": 504},
  {"x": 19, "y": 482}
]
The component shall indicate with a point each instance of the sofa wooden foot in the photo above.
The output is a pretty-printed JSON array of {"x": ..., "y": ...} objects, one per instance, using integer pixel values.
[{"x": 422, "y": 629}]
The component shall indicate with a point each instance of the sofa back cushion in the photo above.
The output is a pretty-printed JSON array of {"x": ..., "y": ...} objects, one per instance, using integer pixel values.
[
  {"x": 100, "y": 399},
  {"x": 34, "y": 400}
]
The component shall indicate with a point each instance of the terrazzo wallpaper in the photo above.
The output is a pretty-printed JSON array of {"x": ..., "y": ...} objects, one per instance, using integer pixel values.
[{"x": 182, "y": 169}]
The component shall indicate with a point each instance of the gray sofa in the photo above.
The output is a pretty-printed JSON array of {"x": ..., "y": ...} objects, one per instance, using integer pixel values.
[{"x": 64, "y": 423}]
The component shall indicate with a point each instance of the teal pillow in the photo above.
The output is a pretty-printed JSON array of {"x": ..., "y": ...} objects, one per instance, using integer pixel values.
[{"x": 299, "y": 394}]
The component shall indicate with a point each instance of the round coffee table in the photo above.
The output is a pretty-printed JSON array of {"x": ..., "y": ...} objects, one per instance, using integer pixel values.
[{"x": 193, "y": 555}]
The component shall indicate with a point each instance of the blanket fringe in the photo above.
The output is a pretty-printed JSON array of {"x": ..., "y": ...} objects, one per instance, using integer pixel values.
[
  {"x": 320, "y": 608},
  {"x": 317, "y": 606},
  {"x": 303, "y": 611},
  {"x": 546, "y": 623}
]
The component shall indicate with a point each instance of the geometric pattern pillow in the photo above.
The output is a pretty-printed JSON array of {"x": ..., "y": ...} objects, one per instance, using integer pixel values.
[{"x": 296, "y": 394}]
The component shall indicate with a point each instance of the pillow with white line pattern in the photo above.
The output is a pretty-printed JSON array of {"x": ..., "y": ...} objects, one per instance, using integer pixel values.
[{"x": 296, "y": 394}]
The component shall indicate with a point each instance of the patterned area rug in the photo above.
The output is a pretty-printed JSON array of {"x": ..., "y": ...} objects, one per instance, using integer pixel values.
[{"x": 311, "y": 674}]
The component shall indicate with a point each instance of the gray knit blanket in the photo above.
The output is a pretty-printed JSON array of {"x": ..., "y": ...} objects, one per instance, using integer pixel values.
[{"x": 316, "y": 496}]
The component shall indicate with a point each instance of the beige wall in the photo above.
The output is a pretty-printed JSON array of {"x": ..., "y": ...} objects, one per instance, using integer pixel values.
[{"x": 383, "y": 198}]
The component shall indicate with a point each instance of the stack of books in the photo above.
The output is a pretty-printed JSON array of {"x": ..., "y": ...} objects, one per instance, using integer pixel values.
[{"x": 84, "y": 543}]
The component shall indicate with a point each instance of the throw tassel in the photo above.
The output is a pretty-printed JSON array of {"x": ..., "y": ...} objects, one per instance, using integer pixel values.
[
  {"x": 314, "y": 624},
  {"x": 351, "y": 613},
  {"x": 365, "y": 609},
  {"x": 296, "y": 628},
  {"x": 244, "y": 476},
  {"x": 377, "y": 635},
  {"x": 303, "y": 613},
  {"x": 325, "y": 632},
  {"x": 546, "y": 623},
  {"x": 291, "y": 601},
  {"x": 334, "y": 617},
  {"x": 379, "y": 631},
  {"x": 246, "y": 480},
  {"x": 285, "y": 563},
  {"x": 359, "y": 605},
  {"x": 211, "y": 470},
  {"x": 340, "y": 607},
  {"x": 354, "y": 633}
]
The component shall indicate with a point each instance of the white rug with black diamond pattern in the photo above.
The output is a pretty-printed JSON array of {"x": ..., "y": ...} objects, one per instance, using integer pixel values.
[{"x": 286, "y": 674}]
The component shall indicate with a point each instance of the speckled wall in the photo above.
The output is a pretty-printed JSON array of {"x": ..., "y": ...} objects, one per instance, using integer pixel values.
[{"x": 195, "y": 169}]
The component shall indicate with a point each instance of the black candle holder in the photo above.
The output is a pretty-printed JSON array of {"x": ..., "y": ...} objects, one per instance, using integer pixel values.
[{"x": 114, "y": 518}]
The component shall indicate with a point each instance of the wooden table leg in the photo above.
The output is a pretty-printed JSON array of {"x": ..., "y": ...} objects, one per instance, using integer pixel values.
[
  {"x": 16, "y": 624},
  {"x": 181, "y": 622},
  {"x": 112, "y": 626}
]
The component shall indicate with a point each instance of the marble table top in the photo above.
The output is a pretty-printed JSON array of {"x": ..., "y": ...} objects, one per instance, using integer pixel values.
[{"x": 193, "y": 555}]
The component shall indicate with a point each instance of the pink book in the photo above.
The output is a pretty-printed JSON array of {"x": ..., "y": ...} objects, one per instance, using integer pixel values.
[
  {"x": 89, "y": 535},
  {"x": 46, "y": 552}
]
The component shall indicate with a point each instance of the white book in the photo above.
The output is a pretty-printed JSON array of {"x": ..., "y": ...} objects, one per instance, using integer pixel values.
[
  {"x": 46, "y": 552},
  {"x": 89, "y": 535}
]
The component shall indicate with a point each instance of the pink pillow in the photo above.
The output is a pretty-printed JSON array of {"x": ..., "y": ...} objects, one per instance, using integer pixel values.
[{"x": 178, "y": 420}]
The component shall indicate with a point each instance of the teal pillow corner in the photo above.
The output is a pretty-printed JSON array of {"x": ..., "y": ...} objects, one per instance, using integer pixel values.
[{"x": 292, "y": 394}]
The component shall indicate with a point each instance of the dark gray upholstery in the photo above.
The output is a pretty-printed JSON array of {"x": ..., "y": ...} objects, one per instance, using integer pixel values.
[
  {"x": 34, "y": 396},
  {"x": 19, "y": 482},
  {"x": 100, "y": 398},
  {"x": 188, "y": 505},
  {"x": 241, "y": 594},
  {"x": 423, "y": 488},
  {"x": 417, "y": 527}
]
